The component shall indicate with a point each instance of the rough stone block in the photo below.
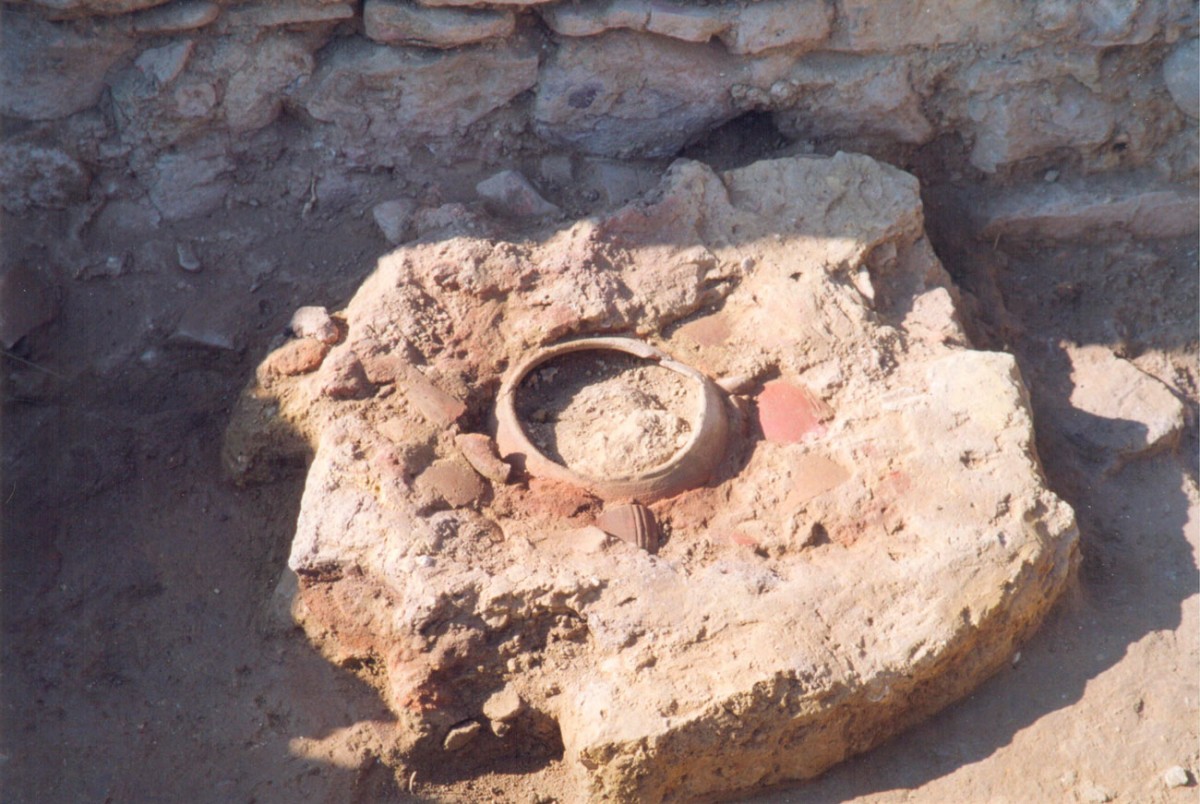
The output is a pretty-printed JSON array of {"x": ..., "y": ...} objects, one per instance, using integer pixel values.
[
  {"x": 176, "y": 17},
  {"x": 744, "y": 29},
  {"x": 689, "y": 23},
  {"x": 1117, "y": 411},
  {"x": 1182, "y": 77},
  {"x": 510, "y": 193},
  {"x": 476, "y": 3},
  {"x": 343, "y": 377},
  {"x": 683, "y": 21},
  {"x": 616, "y": 180},
  {"x": 201, "y": 328},
  {"x": 254, "y": 93},
  {"x": 72, "y": 9},
  {"x": 1034, "y": 119},
  {"x": 395, "y": 218},
  {"x": 34, "y": 175},
  {"x": 193, "y": 181},
  {"x": 1106, "y": 24},
  {"x": 396, "y": 92},
  {"x": 768, "y": 24},
  {"x": 867, "y": 25},
  {"x": 583, "y": 98},
  {"x": 49, "y": 71},
  {"x": 1095, "y": 209},
  {"x": 1176, "y": 776},
  {"x": 835, "y": 95},
  {"x": 399, "y": 23},
  {"x": 286, "y": 13},
  {"x": 163, "y": 64}
]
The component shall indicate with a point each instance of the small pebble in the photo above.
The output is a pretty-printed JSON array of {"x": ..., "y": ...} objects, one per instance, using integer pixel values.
[
  {"x": 1051, "y": 176},
  {"x": 394, "y": 219},
  {"x": 300, "y": 356},
  {"x": 1176, "y": 776},
  {"x": 188, "y": 259},
  {"x": 1095, "y": 794},
  {"x": 459, "y": 736},
  {"x": 206, "y": 328},
  {"x": 510, "y": 193},
  {"x": 503, "y": 706},
  {"x": 315, "y": 323}
]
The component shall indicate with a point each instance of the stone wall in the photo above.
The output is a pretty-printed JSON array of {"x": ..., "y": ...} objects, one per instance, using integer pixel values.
[{"x": 176, "y": 101}]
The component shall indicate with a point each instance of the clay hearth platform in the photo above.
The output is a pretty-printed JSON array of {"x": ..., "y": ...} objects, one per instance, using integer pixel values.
[{"x": 875, "y": 541}]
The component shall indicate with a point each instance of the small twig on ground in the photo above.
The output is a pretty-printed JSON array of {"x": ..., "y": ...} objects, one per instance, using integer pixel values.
[
  {"x": 33, "y": 365},
  {"x": 312, "y": 197}
]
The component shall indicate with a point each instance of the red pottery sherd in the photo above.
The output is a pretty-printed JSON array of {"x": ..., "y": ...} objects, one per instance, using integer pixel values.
[{"x": 788, "y": 413}]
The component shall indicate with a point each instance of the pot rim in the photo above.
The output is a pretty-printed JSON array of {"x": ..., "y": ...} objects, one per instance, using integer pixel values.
[{"x": 688, "y": 466}]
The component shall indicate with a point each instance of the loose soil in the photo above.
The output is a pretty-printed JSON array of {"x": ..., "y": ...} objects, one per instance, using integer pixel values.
[{"x": 604, "y": 414}]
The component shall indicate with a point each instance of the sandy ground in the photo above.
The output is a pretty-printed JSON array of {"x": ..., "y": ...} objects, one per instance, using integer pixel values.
[{"x": 143, "y": 659}]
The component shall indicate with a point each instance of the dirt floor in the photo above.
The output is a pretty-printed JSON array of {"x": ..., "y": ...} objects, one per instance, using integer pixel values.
[{"x": 143, "y": 656}]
